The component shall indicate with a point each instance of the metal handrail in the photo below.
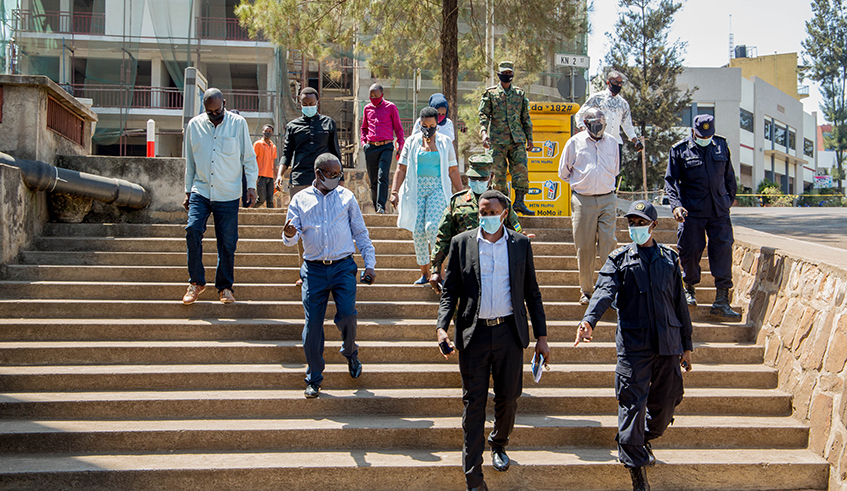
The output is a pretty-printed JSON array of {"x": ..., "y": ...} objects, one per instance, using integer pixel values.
[{"x": 60, "y": 21}]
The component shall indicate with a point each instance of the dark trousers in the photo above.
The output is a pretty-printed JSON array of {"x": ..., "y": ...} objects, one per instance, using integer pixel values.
[
  {"x": 648, "y": 390},
  {"x": 319, "y": 280},
  {"x": 226, "y": 233},
  {"x": 265, "y": 191},
  {"x": 494, "y": 352},
  {"x": 691, "y": 241},
  {"x": 378, "y": 160}
]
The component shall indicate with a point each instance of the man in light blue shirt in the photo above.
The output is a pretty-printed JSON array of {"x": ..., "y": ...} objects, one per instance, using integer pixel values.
[
  {"x": 217, "y": 150},
  {"x": 329, "y": 221}
]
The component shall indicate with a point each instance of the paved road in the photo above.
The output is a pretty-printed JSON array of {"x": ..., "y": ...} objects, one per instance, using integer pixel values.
[{"x": 824, "y": 226}]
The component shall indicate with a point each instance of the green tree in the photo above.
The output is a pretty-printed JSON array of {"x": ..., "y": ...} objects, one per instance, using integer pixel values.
[
  {"x": 825, "y": 58},
  {"x": 640, "y": 50},
  {"x": 398, "y": 36}
]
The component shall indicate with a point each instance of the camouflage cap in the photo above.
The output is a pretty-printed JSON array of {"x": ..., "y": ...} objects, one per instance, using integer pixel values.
[
  {"x": 477, "y": 173},
  {"x": 506, "y": 65},
  {"x": 481, "y": 160}
]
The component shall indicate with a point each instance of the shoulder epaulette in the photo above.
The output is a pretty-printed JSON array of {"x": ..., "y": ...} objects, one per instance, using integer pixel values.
[
  {"x": 617, "y": 252},
  {"x": 460, "y": 193},
  {"x": 491, "y": 88},
  {"x": 681, "y": 142},
  {"x": 719, "y": 136},
  {"x": 668, "y": 249}
]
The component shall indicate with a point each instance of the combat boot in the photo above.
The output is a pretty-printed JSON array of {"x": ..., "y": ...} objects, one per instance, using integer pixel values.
[
  {"x": 639, "y": 479},
  {"x": 651, "y": 459},
  {"x": 721, "y": 306},
  {"x": 519, "y": 205},
  {"x": 689, "y": 295}
]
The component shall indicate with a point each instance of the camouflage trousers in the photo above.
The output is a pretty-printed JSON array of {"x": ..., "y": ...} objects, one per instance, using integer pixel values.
[{"x": 511, "y": 158}]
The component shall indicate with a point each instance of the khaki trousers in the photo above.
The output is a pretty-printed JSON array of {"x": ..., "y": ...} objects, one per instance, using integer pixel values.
[
  {"x": 293, "y": 190},
  {"x": 594, "y": 219}
]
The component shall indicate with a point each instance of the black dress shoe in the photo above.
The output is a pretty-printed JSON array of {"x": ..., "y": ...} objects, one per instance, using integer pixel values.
[
  {"x": 481, "y": 487},
  {"x": 651, "y": 459},
  {"x": 721, "y": 306},
  {"x": 312, "y": 391},
  {"x": 354, "y": 366},
  {"x": 639, "y": 479},
  {"x": 499, "y": 459}
]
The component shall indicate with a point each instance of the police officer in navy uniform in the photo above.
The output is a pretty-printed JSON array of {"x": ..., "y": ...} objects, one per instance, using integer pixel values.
[
  {"x": 653, "y": 337},
  {"x": 700, "y": 184}
]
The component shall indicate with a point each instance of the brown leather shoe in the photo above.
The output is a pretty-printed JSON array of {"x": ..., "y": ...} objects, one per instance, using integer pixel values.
[
  {"x": 226, "y": 296},
  {"x": 194, "y": 291}
]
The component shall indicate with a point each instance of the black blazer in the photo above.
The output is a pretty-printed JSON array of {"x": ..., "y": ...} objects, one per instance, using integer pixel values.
[{"x": 462, "y": 287}]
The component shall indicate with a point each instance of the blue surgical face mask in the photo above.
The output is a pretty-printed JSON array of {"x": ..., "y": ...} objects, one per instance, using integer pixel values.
[
  {"x": 703, "y": 142},
  {"x": 309, "y": 111},
  {"x": 640, "y": 235},
  {"x": 478, "y": 187},
  {"x": 490, "y": 224}
]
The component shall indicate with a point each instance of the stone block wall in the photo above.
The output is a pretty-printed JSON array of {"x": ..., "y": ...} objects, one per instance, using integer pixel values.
[
  {"x": 23, "y": 213},
  {"x": 801, "y": 308}
]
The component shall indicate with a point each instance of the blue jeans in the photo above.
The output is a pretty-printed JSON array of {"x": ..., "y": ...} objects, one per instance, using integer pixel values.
[
  {"x": 226, "y": 231},
  {"x": 319, "y": 280}
]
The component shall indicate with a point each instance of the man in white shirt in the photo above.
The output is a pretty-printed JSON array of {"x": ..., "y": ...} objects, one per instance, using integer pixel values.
[
  {"x": 490, "y": 279},
  {"x": 614, "y": 106},
  {"x": 590, "y": 163}
]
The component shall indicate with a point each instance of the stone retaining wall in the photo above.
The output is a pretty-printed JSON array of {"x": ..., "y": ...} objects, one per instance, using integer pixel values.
[
  {"x": 22, "y": 213},
  {"x": 801, "y": 308}
]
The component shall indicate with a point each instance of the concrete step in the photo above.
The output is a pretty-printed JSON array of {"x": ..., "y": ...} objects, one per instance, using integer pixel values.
[
  {"x": 287, "y": 258},
  {"x": 291, "y": 352},
  {"x": 174, "y": 244},
  {"x": 55, "y": 378},
  {"x": 366, "y": 433},
  {"x": 268, "y": 274},
  {"x": 43, "y": 329},
  {"x": 274, "y": 232},
  {"x": 564, "y": 469},
  {"x": 93, "y": 290},
  {"x": 344, "y": 402},
  {"x": 208, "y": 309}
]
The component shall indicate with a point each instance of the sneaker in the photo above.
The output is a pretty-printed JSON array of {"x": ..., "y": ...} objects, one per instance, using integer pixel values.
[
  {"x": 312, "y": 391},
  {"x": 194, "y": 291},
  {"x": 421, "y": 281},
  {"x": 226, "y": 296},
  {"x": 585, "y": 299}
]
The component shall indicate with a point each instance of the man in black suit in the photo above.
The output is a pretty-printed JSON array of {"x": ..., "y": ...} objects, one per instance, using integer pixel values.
[{"x": 490, "y": 275}]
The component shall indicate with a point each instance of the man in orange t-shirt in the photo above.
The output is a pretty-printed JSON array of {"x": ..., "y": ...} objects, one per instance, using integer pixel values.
[{"x": 266, "y": 158}]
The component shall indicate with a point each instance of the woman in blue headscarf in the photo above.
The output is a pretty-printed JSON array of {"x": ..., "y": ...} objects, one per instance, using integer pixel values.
[{"x": 445, "y": 125}]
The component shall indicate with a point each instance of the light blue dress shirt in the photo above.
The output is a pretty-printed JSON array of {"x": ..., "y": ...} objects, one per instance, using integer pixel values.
[
  {"x": 215, "y": 157},
  {"x": 495, "y": 290},
  {"x": 329, "y": 224}
]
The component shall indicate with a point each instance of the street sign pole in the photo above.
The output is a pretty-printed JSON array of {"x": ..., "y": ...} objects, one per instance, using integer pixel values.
[
  {"x": 573, "y": 83},
  {"x": 644, "y": 167}
]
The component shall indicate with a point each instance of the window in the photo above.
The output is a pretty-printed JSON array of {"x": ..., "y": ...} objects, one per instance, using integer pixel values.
[
  {"x": 768, "y": 130},
  {"x": 792, "y": 140},
  {"x": 746, "y": 120},
  {"x": 808, "y": 148},
  {"x": 780, "y": 135},
  {"x": 687, "y": 115},
  {"x": 710, "y": 110}
]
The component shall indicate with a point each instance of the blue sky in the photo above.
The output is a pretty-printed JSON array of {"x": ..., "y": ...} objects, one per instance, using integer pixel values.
[{"x": 774, "y": 25}]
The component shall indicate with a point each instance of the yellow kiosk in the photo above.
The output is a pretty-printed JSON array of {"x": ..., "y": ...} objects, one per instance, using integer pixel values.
[{"x": 551, "y": 129}]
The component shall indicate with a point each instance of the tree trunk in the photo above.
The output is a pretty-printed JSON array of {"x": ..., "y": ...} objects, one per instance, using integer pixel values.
[{"x": 450, "y": 59}]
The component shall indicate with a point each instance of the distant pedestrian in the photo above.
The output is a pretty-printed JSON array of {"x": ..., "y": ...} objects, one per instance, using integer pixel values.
[
  {"x": 653, "y": 338},
  {"x": 616, "y": 109},
  {"x": 328, "y": 219},
  {"x": 380, "y": 124},
  {"x": 422, "y": 183},
  {"x": 490, "y": 280},
  {"x": 306, "y": 138},
  {"x": 590, "y": 164},
  {"x": 445, "y": 124},
  {"x": 218, "y": 151},
  {"x": 266, "y": 159},
  {"x": 506, "y": 128},
  {"x": 701, "y": 187}
]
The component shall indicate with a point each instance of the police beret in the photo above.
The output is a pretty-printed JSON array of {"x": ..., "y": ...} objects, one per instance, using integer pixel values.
[{"x": 704, "y": 125}]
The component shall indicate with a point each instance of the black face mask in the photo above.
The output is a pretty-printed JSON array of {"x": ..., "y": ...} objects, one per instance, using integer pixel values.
[
  {"x": 595, "y": 128},
  {"x": 216, "y": 118},
  {"x": 615, "y": 89},
  {"x": 505, "y": 78},
  {"x": 428, "y": 133}
]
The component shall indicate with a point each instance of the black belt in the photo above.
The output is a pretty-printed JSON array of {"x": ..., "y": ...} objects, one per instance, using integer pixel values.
[
  {"x": 495, "y": 321},
  {"x": 327, "y": 263},
  {"x": 594, "y": 195}
]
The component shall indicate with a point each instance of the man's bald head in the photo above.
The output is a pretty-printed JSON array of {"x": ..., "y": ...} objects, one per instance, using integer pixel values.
[{"x": 212, "y": 94}]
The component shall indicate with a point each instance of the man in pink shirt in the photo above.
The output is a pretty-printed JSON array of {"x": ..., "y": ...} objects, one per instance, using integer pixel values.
[{"x": 380, "y": 123}]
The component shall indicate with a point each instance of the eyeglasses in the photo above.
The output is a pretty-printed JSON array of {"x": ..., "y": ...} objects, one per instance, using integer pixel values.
[{"x": 331, "y": 176}]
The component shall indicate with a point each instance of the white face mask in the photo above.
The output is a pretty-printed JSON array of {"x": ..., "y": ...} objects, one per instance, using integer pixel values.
[{"x": 703, "y": 142}]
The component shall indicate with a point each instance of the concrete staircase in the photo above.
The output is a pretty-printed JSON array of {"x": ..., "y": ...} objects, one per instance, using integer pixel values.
[{"x": 108, "y": 382}]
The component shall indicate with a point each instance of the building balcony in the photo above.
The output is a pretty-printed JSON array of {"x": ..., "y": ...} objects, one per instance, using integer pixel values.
[
  {"x": 168, "y": 98},
  {"x": 803, "y": 90},
  {"x": 60, "y": 22},
  {"x": 223, "y": 29}
]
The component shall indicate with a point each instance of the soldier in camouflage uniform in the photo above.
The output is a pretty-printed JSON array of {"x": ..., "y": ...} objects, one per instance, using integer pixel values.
[
  {"x": 463, "y": 215},
  {"x": 507, "y": 130}
]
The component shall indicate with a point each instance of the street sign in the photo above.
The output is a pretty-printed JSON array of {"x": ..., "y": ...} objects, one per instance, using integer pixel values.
[
  {"x": 575, "y": 61},
  {"x": 823, "y": 182},
  {"x": 564, "y": 86}
]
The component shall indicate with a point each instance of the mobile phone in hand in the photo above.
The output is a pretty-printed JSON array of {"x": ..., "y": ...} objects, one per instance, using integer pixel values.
[
  {"x": 366, "y": 278},
  {"x": 445, "y": 348}
]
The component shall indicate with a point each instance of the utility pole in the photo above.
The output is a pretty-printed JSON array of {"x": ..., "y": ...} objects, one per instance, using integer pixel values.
[{"x": 489, "y": 41}]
